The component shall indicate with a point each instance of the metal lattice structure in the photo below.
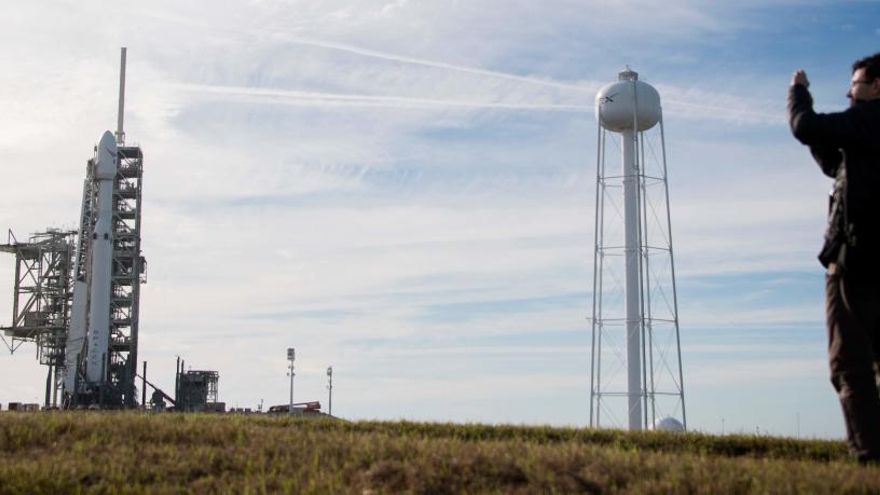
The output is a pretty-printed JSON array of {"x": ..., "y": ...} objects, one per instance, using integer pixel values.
[
  {"x": 41, "y": 299},
  {"x": 197, "y": 390},
  {"x": 128, "y": 269}
]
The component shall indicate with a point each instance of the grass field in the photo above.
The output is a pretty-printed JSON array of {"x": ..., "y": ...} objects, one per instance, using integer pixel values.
[{"x": 91, "y": 452}]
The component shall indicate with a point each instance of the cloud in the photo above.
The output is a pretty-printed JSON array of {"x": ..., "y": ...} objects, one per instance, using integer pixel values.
[
  {"x": 269, "y": 96},
  {"x": 744, "y": 372}
]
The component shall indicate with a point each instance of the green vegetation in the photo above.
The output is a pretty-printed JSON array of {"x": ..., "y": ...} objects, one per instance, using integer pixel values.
[{"x": 91, "y": 452}]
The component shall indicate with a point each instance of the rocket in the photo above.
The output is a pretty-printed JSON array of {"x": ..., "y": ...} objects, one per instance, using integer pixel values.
[{"x": 98, "y": 333}]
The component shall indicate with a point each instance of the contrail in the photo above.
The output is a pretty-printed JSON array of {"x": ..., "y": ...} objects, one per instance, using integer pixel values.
[
  {"x": 283, "y": 37},
  {"x": 290, "y": 97},
  {"x": 591, "y": 87},
  {"x": 726, "y": 113},
  {"x": 307, "y": 98}
]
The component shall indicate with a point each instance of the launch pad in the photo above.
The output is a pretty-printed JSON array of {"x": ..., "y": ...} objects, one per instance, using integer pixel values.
[{"x": 77, "y": 294}]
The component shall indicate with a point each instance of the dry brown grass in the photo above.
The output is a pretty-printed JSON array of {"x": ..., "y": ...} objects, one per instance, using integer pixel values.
[{"x": 80, "y": 452}]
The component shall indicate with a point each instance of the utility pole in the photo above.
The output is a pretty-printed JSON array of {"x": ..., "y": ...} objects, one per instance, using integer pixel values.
[
  {"x": 330, "y": 390},
  {"x": 291, "y": 355}
]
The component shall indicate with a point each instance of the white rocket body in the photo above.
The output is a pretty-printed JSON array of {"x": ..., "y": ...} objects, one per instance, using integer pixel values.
[
  {"x": 102, "y": 258},
  {"x": 76, "y": 336}
]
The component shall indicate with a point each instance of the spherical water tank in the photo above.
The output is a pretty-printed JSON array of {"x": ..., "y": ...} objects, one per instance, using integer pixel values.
[
  {"x": 668, "y": 424},
  {"x": 619, "y": 103}
]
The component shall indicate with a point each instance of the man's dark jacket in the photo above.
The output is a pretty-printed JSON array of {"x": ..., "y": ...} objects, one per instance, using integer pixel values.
[{"x": 847, "y": 147}]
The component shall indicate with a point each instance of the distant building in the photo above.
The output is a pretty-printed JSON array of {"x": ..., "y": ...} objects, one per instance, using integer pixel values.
[{"x": 197, "y": 392}]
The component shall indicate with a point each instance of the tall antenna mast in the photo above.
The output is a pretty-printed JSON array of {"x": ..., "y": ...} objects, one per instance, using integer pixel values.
[{"x": 120, "y": 134}]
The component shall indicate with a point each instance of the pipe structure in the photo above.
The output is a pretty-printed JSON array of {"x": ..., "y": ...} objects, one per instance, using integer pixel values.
[
  {"x": 120, "y": 133},
  {"x": 177, "y": 379},
  {"x": 633, "y": 283},
  {"x": 49, "y": 387},
  {"x": 144, "y": 387}
]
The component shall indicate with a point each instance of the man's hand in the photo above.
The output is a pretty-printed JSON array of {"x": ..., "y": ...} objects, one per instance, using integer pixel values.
[{"x": 800, "y": 77}]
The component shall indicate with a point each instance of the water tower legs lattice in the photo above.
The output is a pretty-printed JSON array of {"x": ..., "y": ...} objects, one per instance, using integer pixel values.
[{"x": 636, "y": 374}]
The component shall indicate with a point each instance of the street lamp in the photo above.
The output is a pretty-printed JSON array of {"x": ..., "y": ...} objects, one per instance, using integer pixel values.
[
  {"x": 330, "y": 390},
  {"x": 291, "y": 355}
]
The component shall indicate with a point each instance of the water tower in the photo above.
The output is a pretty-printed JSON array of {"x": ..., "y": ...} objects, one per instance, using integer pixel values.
[{"x": 636, "y": 376}]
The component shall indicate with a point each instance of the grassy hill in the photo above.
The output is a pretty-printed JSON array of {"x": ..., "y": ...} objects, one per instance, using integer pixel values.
[{"x": 91, "y": 452}]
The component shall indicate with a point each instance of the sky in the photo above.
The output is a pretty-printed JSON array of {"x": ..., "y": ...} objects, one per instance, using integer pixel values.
[{"x": 405, "y": 190}]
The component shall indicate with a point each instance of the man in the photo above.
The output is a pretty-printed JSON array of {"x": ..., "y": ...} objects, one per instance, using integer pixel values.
[{"x": 846, "y": 145}]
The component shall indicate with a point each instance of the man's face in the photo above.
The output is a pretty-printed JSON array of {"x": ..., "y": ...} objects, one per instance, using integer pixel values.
[{"x": 861, "y": 88}]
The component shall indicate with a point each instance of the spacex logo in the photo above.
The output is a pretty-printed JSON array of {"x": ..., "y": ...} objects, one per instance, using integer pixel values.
[{"x": 607, "y": 99}]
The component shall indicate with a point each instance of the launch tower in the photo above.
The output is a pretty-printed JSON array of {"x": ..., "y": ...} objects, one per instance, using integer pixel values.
[
  {"x": 41, "y": 300},
  {"x": 77, "y": 294},
  {"x": 101, "y": 347}
]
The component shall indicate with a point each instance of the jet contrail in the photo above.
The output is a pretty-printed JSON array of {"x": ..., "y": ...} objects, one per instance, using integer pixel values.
[
  {"x": 726, "y": 113},
  {"x": 307, "y": 98},
  {"x": 677, "y": 106},
  {"x": 590, "y": 87}
]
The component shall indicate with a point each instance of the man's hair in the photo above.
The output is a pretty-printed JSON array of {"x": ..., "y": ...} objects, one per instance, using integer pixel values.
[{"x": 870, "y": 64}]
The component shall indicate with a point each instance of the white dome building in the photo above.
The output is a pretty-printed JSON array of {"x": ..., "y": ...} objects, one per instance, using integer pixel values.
[{"x": 668, "y": 423}]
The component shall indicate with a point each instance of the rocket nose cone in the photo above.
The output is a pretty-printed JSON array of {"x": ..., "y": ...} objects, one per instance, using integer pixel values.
[
  {"x": 107, "y": 139},
  {"x": 106, "y": 166}
]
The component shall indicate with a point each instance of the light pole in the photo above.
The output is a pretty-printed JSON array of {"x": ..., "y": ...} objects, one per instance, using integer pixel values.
[
  {"x": 291, "y": 355},
  {"x": 330, "y": 390}
]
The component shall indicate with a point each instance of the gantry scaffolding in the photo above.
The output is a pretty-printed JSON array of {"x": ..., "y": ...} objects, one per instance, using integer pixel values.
[
  {"x": 41, "y": 299},
  {"x": 128, "y": 272},
  {"x": 197, "y": 390}
]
